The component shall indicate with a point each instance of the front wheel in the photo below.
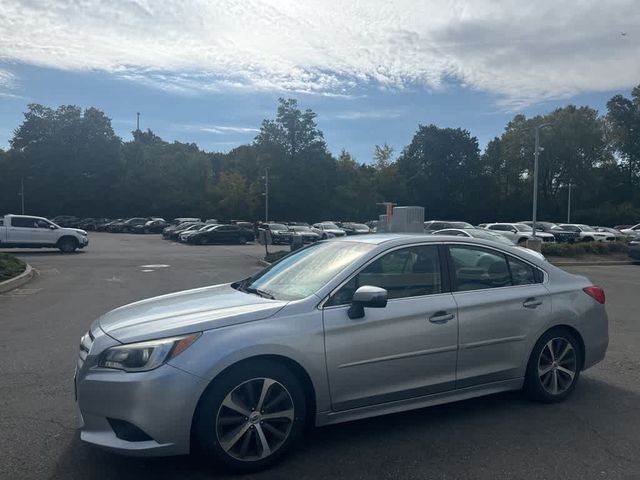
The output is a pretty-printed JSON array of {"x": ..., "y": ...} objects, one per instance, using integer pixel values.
[
  {"x": 67, "y": 245},
  {"x": 250, "y": 416},
  {"x": 554, "y": 367}
]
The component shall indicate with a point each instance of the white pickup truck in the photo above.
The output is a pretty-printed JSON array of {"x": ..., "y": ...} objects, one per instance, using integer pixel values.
[{"x": 22, "y": 231}]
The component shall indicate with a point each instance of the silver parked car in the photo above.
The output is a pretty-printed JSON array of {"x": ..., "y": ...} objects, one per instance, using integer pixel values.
[{"x": 336, "y": 331}]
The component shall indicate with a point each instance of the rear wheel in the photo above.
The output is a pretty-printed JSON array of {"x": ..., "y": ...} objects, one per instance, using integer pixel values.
[
  {"x": 67, "y": 245},
  {"x": 250, "y": 416},
  {"x": 242, "y": 240},
  {"x": 554, "y": 367}
]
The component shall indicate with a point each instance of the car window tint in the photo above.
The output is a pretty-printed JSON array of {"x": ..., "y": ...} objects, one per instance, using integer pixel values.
[
  {"x": 408, "y": 272},
  {"x": 521, "y": 273},
  {"x": 477, "y": 268}
]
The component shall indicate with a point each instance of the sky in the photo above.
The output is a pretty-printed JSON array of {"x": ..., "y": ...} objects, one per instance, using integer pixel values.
[{"x": 209, "y": 71}]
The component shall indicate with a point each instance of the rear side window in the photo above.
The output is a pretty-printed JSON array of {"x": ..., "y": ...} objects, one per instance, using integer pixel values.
[
  {"x": 23, "y": 222},
  {"x": 521, "y": 273},
  {"x": 476, "y": 268}
]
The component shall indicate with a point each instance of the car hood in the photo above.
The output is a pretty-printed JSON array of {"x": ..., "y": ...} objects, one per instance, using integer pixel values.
[
  {"x": 77, "y": 230},
  {"x": 186, "y": 312}
]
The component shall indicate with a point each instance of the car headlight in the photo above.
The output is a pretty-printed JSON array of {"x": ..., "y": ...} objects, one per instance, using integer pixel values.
[{"x": 144, "y": 356}]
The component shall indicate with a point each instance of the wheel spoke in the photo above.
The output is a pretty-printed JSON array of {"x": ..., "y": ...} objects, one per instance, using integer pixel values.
[
  {"x": 230, "y": 403},
  {"x": 228, "y": 444},
  {"x": 567, "y": 372},
  {"x": 266, "y": 385},
  {"x": 282, "y": 414},
  {"x": 274, "y": 431},
  {"x": 566, "y": 350},
  {"x": 552, "y": 353},
  {"x": 276, "y": 400},
  {"x": 246, "y": 441},
  {"x": 266, "y": 450},
  {"x": 554, "y": 382},
  {"x": 542, "y": 371}
]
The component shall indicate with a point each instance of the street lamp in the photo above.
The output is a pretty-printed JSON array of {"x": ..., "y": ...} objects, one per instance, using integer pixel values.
[
  {"x": 266, "y": 194},
  {"x": 536, "y": 154}
]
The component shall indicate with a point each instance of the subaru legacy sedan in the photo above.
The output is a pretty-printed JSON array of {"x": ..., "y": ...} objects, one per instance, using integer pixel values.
[{"x": 340, "y": 330}]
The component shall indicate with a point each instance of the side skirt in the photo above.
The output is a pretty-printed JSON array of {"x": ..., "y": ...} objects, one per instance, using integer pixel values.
[{"x": 330, "y": 418}]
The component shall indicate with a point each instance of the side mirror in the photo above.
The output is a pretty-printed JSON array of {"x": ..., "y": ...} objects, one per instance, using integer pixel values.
[
  {"x": 367, "y": 296},
  {"x": 52, "y": 227},
  {"x": 513, "y": 230}
]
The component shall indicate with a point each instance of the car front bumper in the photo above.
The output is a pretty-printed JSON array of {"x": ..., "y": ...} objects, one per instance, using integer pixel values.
[{"x": 160, "y": 403}]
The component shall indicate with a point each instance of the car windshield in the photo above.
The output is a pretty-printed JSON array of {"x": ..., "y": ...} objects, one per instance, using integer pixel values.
[
  {"x": 521, "y": 227},
  {"x": 585, "y": 228},
  {"x": 330, "y": 225},
  {"x": 305, "y": 271}
]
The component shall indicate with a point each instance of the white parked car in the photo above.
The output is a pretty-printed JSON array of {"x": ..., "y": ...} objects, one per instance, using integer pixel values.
[
  {"x": 635, "y": 230},
  {"x": 327, "y": 230},
  {"x": 587, "y": 233},
  {"x": 22, "y": 231},
  {"x": 519, "y": 232}
]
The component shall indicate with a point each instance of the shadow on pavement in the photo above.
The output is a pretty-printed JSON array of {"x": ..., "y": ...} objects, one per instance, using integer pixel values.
[{"x": 499, "y": 436}]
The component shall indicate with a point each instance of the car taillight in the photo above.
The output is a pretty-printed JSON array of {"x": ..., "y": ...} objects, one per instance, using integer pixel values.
[{"x": 596, "y": 293}]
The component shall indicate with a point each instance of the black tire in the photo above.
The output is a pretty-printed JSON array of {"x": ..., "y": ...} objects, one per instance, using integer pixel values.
[
  {"x": 522, "y": 241},
  {"x": 324, "y": 236},
  {"x": 197, "y": 241},
  {"x": 537, "y": 386},
  {"x": 67, "y": 245},
  {"x": 242, "y": 240},
  {"x": 588, "y": 239},
  {"x": 207, "y": 430}
]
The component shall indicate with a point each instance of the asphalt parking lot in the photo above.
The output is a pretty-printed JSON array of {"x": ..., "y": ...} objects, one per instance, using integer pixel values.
[{"x": 592, "y": 435}]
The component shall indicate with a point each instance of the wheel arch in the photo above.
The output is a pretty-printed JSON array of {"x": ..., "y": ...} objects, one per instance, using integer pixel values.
[{"x": 295, "y": 367}]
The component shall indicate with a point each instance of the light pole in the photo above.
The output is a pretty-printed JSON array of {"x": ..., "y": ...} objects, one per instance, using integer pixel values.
[
  {"x": 137, "y": 121},
  {"x": 569, "y": 204},
  {"x": 22, "y": 193},
  {"x": 536, "y": 154},
  {"x": 266, "y": 194}
]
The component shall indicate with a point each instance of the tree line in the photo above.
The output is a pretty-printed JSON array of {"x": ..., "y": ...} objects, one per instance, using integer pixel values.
[{"x": 71, "y": 162}]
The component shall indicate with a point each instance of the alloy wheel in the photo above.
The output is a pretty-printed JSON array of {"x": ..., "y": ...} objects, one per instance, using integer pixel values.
[
  {"x": 557, "y": 366},
  {"x": 255, "y": 419}
]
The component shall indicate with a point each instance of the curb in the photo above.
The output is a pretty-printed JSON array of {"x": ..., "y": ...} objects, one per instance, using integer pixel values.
[
  {"x": 605, "y": 263},
  {"x": 17, "y": 281},
  {"x": 264, "y": 263}
]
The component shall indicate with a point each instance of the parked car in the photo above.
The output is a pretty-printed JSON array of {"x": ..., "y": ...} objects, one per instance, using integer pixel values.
[
  {"x": 175, "y": 234},
  {"x": 519, "y": 232},
  {"x": 338, "y": 331},
  {"x": 91, "y": 224},
  {"x": 221, "y": 234},
  {"x": 25, "y": 231},
  {"x": 617, "y": 234},
  {"x": 308, "y": 235},
  {"x": 352, "y": 228},
  {"x": 634, "y": 248},
  {"x": 435, "y": 225},
  {"x": 476, "y": 233},
  {"x": 185, "y": 234},
  {"x": 66, "y": 221},
  {"x": 327, "y": 230},
  {"x": 126, "y": 226},
  {"x": 179, "y": 220},
  {"x": 560, "y": 234},
  {"x": 104, "y": 227},
  {"x": 587, "y": 233},
  {"x": 167, "y": 231},
  {"x": 280, "y": 234},
  {"x": 154, "y": 225},
  {"x": 635, "y": 229}
]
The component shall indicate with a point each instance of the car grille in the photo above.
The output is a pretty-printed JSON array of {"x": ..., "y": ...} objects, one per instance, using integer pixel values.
[{"x": 85, "y": 347}]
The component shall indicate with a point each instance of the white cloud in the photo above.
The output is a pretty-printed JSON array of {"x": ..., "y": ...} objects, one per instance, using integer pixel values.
[
  {"x": 217, "y": 129},
  {"x": 522, "y": 53},
  {"x": 368, "y": 114}
]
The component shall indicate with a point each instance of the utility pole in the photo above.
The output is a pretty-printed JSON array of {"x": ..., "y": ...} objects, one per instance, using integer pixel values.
[
  {"x": 137, "y": 121},
  {"x": 266, "y": 194},
  {"x": 569, "y": 204},
  {"x": 536, "y": 154},
  {"x": 22, "y": 193}
]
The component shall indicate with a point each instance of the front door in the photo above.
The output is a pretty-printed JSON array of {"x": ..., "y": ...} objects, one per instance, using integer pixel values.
[
  {"x": 407, "y": 349},
  {"x": 501, "y": 304}
]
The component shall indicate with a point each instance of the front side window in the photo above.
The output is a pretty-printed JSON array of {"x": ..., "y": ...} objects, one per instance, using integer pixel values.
[{"x": 407, "y": 272}]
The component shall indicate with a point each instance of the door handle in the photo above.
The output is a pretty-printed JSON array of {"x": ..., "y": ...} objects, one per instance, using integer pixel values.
[
  {"x": 531, "y": 303},
  {"x": 441, "y": 317}
]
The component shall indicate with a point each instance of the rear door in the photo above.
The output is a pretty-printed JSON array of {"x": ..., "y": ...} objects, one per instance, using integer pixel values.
[
  {"x": 405, "y": 350},
  {"x": 23, "y": 230},
  {"x": 501, "y": 302}
]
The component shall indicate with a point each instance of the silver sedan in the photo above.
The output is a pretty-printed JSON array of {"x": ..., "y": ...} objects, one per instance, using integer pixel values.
[{"x": 337, "y": 331}]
